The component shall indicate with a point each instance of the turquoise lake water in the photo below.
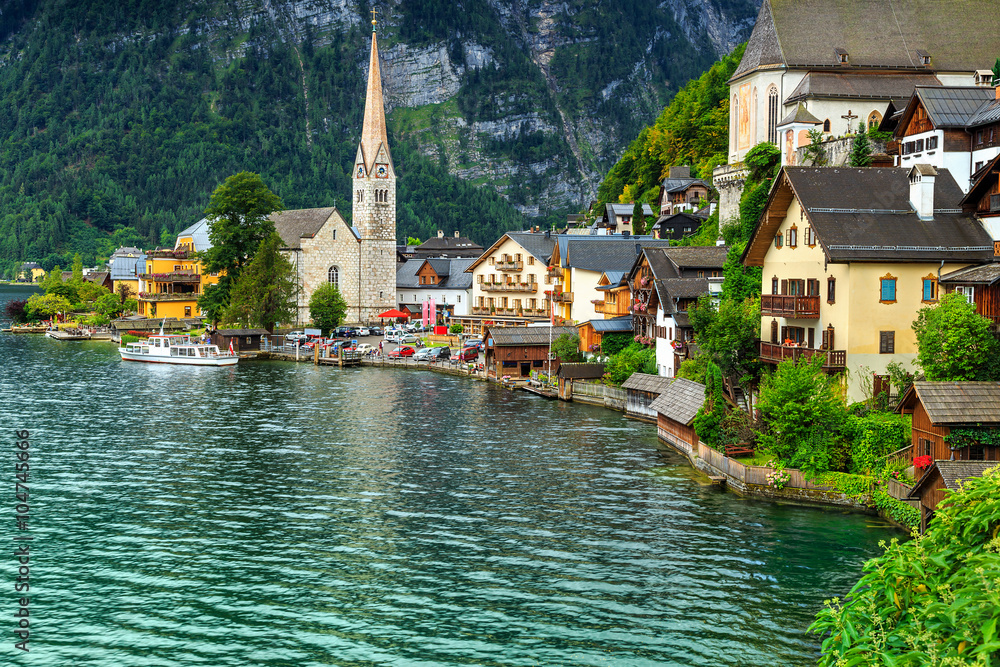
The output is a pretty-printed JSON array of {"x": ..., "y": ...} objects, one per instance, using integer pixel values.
[{"x": 282, "y": 514}]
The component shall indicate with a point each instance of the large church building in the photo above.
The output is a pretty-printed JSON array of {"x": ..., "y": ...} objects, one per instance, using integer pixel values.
[{"x": 359, "y": 259}]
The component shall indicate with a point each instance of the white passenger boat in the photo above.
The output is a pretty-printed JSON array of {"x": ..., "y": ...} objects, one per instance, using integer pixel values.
[{"x": 177, "y": 349}]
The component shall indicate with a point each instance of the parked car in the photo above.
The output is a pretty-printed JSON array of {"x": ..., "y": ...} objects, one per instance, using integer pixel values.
[
  {"x": 466, "y": 354},
  {"x": 402, "y": 351},
  {"x": 374, "y": 331},
  {"x": 294, "y": 336},
  {"x": 476, "y": 343},
  {"x": 366, "y": 348},
  {"x": 433, "y": 353}
]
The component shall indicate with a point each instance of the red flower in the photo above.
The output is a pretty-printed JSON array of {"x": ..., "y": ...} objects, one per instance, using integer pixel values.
[{"x": 922, "y": 461}]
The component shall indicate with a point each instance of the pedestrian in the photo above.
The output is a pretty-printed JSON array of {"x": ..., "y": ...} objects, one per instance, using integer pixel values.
[{"x": 380, "y": 343}]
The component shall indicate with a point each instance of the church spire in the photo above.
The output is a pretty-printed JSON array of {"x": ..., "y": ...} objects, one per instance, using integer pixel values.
[{"x": 373, "y": 134}]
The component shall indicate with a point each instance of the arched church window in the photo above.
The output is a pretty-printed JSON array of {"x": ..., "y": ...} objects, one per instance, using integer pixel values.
[
  {"x": 333, "y": 276},
  {"x": 874, "y": 120},
  {"x": 772, "y": 114},
  {"x": 826, "y": 125}
]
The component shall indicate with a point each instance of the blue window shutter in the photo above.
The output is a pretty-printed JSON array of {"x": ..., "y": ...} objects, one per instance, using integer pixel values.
[
  {"x": 927, "y": 291},
  {"x": 888, "y": 290}
]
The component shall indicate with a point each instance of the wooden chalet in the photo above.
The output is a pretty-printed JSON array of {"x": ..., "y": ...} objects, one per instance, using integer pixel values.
[
  {"x": 943, "y": 476},
  {"x": 676, "y": 408},
  {"x": 641, "y": 389},
  {"x": 980, "y": 285},
  {"x": 517, "y": 351},
  {"x": 592, "y": 332},
  {"x": 947, "y": 418},
  {"x": 242, "y": 339}
]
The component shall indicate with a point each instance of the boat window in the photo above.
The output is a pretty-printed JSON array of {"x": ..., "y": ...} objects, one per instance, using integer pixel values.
[
  {"x": 173, "y": 352},
  {"x": 156, "y": 342}
]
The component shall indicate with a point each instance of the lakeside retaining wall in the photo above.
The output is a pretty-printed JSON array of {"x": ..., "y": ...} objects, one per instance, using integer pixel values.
[
  {"x": 612, "y": 398},
  {"x": 752, "y": 480}
]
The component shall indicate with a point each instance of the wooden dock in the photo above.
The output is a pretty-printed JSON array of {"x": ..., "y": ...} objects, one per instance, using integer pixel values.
[{"x": 541, "y": 390}]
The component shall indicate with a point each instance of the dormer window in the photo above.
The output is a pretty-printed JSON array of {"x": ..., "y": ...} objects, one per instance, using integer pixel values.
[
  {"x": 924, "y": 58},
  {"x": 842, "y": 56}
]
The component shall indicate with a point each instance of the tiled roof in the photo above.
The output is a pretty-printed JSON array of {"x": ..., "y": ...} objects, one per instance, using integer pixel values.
[
  {"x": 859, "y": 85},
  {"x": 293, "y": 225},
  {"x": 449, "y": 243},
  {"x": 952, "y": 474},
  {"x": 538, "y": 245},
  {"x": 959, "y": 36},
  {"x": 680, "y": 184},
  {"x": 680, "y": 401},
  {"x": 959, "y": 402},
  {"x": 30, "y": 265},
  {"x": 626, "y": 209},
  {"x": 986, "y": 274},
  {"x": 800, "y": 115},
  {"x": 684, "y": 288},
  {"x": 455, "y": 276},
  {"x": 697, "y": 257},
  {"x": 515, "y": 336},
  {"x": 199, "y": 234},
  {"x": 655, "y": 384},
  {"x": 581, "y": 371},
  {"x": 614, "y": 253}
]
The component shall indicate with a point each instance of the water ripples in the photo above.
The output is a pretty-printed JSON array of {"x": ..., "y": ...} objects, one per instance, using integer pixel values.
[{"x": 281, "y": 514}]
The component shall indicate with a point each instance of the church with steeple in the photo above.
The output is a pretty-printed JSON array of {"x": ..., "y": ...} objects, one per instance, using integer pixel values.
[{"x": 360, "y": 258}]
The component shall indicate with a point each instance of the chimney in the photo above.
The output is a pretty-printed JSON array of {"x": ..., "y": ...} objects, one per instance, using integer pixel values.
[
  {"x": 922, "y": 190},
  {"x": 440, "y": 233},
  {"x": 548, "y": 233},
  {"x": 456, "y": 234}
]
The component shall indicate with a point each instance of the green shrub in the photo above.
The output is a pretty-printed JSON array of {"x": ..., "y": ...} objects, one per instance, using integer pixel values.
[
  {"x": 635, "y": 358},
  {"x": 930, "y": 601},
  {"x": 456, "y": 328}
]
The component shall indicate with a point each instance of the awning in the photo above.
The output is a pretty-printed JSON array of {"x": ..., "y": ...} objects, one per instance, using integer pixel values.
[{"x": 394, "y": 313}]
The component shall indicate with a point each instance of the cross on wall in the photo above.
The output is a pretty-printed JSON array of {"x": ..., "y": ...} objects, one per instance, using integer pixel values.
[{"x": 849, "y": 117}]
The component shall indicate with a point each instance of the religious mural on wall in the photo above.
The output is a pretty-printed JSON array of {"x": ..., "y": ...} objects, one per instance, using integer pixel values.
[{"x": 744, "y": 140}]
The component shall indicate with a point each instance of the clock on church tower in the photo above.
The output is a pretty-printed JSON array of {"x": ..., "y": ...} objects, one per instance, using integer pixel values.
[{"x": 381, "y": 171}]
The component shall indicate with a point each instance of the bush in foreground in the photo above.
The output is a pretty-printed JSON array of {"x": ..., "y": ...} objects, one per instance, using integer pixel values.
[{"x": 934, "y": 600}]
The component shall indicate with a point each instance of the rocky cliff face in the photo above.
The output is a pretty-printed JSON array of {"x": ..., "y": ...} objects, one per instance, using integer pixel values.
[{"x": 535, "y": 98}]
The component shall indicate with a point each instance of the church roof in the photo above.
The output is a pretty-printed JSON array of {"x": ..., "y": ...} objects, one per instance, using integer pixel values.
[
  {"x": 300, "y": 223},
  {"x": 373, "y": 133},
  {"x": 800, "y": 115},
  {"x": 860, "y": 85},
  {"x": 959, "y": 36}
]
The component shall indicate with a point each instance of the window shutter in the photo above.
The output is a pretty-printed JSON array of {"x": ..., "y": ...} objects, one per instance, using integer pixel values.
[
  {"x": 774, "y": 331},
  {"x": 784, "y": 334},
  {"x": 812, "y": 338},
  {"x": 831, "y": 290},
  {"x": 774, "y": 285},
  {"x": 825, "y": 340},
  {"x": 784, "y": 287}
]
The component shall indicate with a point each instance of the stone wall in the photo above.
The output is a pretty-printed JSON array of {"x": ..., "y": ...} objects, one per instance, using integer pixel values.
[{"x": 728, "y": 181}]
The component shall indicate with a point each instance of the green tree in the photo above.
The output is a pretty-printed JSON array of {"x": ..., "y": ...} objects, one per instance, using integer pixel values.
[
  {"x": 77, "y": 269},
  {"x": 410, "y": 240},
  {"x": 638, "y": 218},
  {"x": 264, "y": 294},
  {"x": 615, "y": 342},
  {"x": 955, "y": 343},
  {"x": 803, "y": 409},
  {"x": 762, "y": 162},
  {"x": 89, "y": 292},
  {"x": 238, "y": 221},
  {"x": 729, "y": 335},
  {"x": 48, "y": 304},
  {"x": 109, "y": 305},
  {"x": 861, "y": 148},
  {"x": 635, "y": 358},
  {"x": 327, "y": 307},
  {"x": 931, "y": 600},
  {"x": 124, "y": 291},
  {"x": 814, "y": 153},
  {"x": 567, "y": 348},
  {"x": 53, "y": 278},
  {"x": 708, "y": 422}
]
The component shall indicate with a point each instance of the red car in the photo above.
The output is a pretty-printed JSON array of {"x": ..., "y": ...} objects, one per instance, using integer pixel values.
[
  {"x": 466, "y": 354},
  {"x": 403, "y": 351}
]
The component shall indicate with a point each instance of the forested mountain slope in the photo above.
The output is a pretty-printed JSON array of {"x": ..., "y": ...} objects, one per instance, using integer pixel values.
[{"x": 123, "y": 115}]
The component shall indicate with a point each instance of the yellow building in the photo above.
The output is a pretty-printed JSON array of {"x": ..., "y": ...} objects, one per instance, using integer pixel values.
[
  {"x": 31, "y": 272},
  {"x": 849, "y": 256},
  {"x": 173, "y": 280}
]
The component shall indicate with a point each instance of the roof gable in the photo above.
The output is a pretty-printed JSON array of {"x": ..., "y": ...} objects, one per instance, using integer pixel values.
[
  {"x": 294, "y": 225},
  {"x": 955, "y": 403},
  {"x": 680, "y": 400}
]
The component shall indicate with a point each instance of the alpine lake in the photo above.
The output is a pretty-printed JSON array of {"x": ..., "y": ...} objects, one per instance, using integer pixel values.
[{"x": 276, "y": 513}]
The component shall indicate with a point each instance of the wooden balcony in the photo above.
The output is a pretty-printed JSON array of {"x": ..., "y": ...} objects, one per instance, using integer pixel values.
[
  {"x": 790, "y": 305},
  {"x": 174, "y": 277},
  {"x": 554, "y": 272},
  {"x": 598, "y": 305},
  {"x": 509, "y": 287},
  {"x": 509, "y": 265},
  {"x": 774, "y": 353},
  {"x": 168, "y": 296},
  {"x": 562, "y": 297}
]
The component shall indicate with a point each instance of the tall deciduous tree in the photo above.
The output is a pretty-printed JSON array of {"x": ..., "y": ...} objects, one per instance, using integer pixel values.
[
  {"x": 77, "y": 269},
  {"x": 264, "y": 294},
  {"x": 955, "y": 343},
  {"x": 238, "y": 221},
  {"x": 567, "y": 348},
  {"x": 327, "y": 307}
]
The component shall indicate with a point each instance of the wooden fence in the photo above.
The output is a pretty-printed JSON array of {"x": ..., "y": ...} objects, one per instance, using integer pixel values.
[{"x": 753, "y": 475}]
